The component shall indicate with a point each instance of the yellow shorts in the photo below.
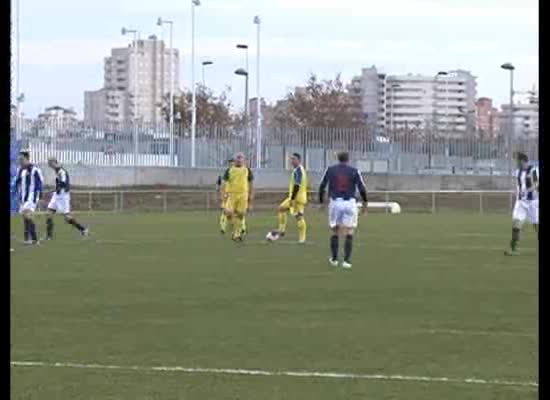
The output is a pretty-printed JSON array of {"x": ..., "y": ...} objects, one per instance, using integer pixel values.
[
  {"x": 225, "y": 202},
  {"x": 298, "y": 208},
  {"x": 237, "y": 203}
]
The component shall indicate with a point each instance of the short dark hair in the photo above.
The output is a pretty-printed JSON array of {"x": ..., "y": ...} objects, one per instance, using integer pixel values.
[
  {"x": 343, "y": 156},
  {"x": 522, "y": 157},
  {"x": 297, "y": 155},
  {"x": 25, "y": 154}
]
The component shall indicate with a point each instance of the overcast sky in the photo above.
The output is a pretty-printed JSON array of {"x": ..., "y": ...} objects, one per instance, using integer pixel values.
[{"x": 63, "y": 42}]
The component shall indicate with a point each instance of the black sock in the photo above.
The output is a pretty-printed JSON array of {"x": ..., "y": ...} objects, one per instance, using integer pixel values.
[
  {"x": 49, "y": 227},
  {"x": 348, "y": 245},
  {"x": 75, "y": 224},
  {"x": 515, "y": 238},
  {"x": 334, "y": 246},
  {"x": 26, "y": 229},
  {"x": 32, "y": 231}
]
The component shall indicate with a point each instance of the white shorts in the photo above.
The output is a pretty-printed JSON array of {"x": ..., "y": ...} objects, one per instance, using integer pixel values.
[
  {"x": 60, "y": 203},
  {"x": 342, "y": 213},
  {"x": 27, "y": 206},
  {"x": 526, "y": 210}
]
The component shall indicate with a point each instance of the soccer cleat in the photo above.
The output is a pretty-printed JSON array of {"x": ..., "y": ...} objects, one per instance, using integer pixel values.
[
  {"x": 511, "y": 253},
  {"x": 332, "y": 262},
  {"x": 222, "y": 231},
  {"x": 31, "y": 242},
  {"x": 85, "y": 233},
  {"x": 346, "y": 265},
  {"x": 301, "y": 242},
  {"x": 12, "y": 249}
]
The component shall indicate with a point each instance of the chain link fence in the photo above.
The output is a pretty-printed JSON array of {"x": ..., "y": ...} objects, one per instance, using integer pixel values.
[{"x": 399, "y": 152}]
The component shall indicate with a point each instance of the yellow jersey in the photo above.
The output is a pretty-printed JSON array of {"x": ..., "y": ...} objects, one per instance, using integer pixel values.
[
  {"x": 298, "y": 177},
  {"x": 237, "y": 179}
]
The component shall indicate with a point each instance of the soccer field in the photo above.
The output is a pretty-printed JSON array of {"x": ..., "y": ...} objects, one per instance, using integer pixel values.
[{"x": 430, "y": 304}]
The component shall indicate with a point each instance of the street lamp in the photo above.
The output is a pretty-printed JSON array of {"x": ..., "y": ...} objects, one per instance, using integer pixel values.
[
  {"x": 194, "y": 3},
  {"x": 204, "y": 64},
  {"x": 257, "y": 22},
  {"x": 161, "y": 22},
  {"x": 392, "y": 122},
  {"x": 243, "y": 72},
  {"x": 444, "y": 73},
  {"x": 135, "y": 33},
  {"x": 510, "y": 67},
  {"x": 245, "y": 48}
]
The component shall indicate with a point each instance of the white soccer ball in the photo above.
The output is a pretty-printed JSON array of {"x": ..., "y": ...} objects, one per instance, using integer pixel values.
[{"x": 271, "y": 236}]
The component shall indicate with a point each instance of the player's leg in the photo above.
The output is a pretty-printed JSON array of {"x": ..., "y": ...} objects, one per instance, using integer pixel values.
[
  {"x": 301, "y": 222},
  {"x": 73, "y": 222},
  {"x": 239, "y": 209},
  {"x": 31, "y": 237},
  {"x": 533, "y": 215},
  {"x": 334, "y": 228},
  {"x": 52, "y": 208},
  {"x": 348, "y": 223},
  {"x": 519, "y": 216},
  {"x": 282, "y": 216}
]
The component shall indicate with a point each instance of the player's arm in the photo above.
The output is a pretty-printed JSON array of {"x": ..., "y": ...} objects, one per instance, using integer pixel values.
[
  {"x": 250, "y": 186},
  {"x": 17, "y": 185},
  {"x": 224, "y": 181},
  {"x": 535, "y": 178},
  {"x": 362, "y": 189},
  {"x": 297, "y": 183},
  {"x": 62, "y": 176},
  {"x": 323, "y": 187}
]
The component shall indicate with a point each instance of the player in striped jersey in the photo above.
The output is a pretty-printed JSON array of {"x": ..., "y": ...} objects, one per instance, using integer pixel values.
[
  {"x": 61, "y": 200},
  {"x": 526, "y": 207},
  {"x": 29, "y": 188},
  {"x": 296, "y": 201}
]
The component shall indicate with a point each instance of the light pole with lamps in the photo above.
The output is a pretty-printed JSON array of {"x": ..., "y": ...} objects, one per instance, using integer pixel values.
[
  {"x": 257, "y": 22},
  {"x": 204, "y": 64},
  {"x": 161, "y": 22},
  {"x": 194, "y": 3},
  {"x": 135, "y": 33},
  {"x": 243, "y": 72},
  {"x": 245, "y": 48},
  {"x": 510, "y": 67}
]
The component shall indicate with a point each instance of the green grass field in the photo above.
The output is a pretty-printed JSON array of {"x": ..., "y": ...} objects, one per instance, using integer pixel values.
[{"x": 429, "y": 296}]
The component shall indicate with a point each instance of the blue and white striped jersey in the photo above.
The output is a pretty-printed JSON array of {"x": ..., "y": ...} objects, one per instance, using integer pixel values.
[
  {"x": 527, "y": 183},
  {"x": 29, "y": 183},
  {"x": 62, "y": 181}
]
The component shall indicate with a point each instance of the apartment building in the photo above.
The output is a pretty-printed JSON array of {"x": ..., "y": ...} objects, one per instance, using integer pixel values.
[
  {"x": 136, "y": 80},
  {"x": 526, "y": 116}
]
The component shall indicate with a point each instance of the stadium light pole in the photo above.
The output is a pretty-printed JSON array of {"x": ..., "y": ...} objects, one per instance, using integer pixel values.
[
  {"x": 257, "y": 22},
  {"x": 161, "y": 22},
  {"x": 194, "y": 3},
  {"x": 204, "y": 64},
  {"x": 18, "y": 94},
  {"x": 135, "y": 33},
  {"x": 243, "y": 72},
  {"x": 510, "y": 67}
]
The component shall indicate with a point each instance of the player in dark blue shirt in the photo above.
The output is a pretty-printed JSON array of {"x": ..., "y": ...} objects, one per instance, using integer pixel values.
[{"x": 343, "y": 182}]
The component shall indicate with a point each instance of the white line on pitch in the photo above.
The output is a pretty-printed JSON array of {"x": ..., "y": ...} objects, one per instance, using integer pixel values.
[
  {"x": 260, "y": 372},
  {"x": 474, "y": 333}
]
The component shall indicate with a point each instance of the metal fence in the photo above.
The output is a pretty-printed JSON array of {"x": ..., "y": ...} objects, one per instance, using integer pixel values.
[
  {"x": 399, "y": 152},
  {"x": 478, "y": 202}
]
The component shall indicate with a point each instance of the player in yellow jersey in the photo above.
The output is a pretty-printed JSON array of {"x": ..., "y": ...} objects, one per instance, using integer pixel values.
[
  {"x": 296, "y": 201},
  {"x": 225, "y": 197},
  {"x": 237, "y": 186}
]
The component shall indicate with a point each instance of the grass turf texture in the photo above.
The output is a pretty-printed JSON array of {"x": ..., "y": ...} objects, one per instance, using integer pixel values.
[{"x": 429, "y": 295}]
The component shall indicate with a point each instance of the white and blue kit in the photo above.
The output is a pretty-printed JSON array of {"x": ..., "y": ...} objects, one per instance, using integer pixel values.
[
  {"x": 526, "y": 207},
  {"x": 61, "y": 199},
  {"x": 343, "y": 181},
  {"x": 29, "y": 182}
]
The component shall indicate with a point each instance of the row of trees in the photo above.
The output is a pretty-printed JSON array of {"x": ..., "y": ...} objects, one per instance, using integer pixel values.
[{"x": 319, "y": 103}]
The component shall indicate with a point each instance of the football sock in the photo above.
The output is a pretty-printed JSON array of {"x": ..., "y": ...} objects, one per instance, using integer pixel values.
[
  {"x": 515, "y": 238},
  {"x": 237, "y": 226},
  {"x": 302, "y": 229},
  {"x": 26, "y": 229},
  {"x": 282, "y": 218},
  {"x": 32, "y": 231},
  {"x": 223, "y": 222},
  {"x": 244, "y": 224},
  {"x": 334, "y": 246},
  {"x": 49, "y": 227},
  {"x": 75, "y": 224},
  {"x": 348, "y": 245}
]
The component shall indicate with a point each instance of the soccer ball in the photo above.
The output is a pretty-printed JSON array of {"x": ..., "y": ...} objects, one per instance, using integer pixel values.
[{"x": 272, "y": 236}]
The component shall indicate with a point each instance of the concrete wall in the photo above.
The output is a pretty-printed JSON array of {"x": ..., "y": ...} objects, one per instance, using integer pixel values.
[{"x": 113, "y": 177}]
